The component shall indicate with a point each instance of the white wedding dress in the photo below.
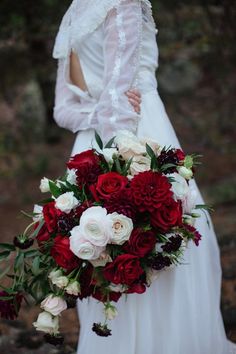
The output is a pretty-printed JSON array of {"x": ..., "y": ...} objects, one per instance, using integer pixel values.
[{"x": 116, "y": 43}]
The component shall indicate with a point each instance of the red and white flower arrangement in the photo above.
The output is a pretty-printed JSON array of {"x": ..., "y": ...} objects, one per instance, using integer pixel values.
[{"x": 121, "y": 214}]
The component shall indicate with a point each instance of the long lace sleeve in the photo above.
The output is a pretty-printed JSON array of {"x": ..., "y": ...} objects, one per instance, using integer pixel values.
[{"x": 121, "y": 49}]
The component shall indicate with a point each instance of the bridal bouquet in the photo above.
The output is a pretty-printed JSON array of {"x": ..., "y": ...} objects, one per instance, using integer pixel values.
[{"x": 121, "y": 214}]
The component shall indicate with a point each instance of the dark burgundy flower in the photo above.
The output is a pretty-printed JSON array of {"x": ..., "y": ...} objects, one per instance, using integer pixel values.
[
  {"x": 9, "y": 308},
  {"x": 86, "y": 282},
  {"x": 168, "y": 216},
  {"x": 140, "y": 242},
  {"x": 53, "y": 339},
  {"x": 158, "y": 262},
  {"x": 22, "y": 242},
  {"x": 173, "y": 244},
  {"x": 196, "y": 235},
  {"x": 101, "y": 330},
  {"x": 111, "y": 296},
  {"x": 65, "y": 223},
  {"x": 149, "y": 190},
  {"x": 122, "y": 203},
  {"x": 171, "y": 156}
]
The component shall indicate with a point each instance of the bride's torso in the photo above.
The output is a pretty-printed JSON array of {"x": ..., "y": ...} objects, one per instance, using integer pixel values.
[{"x": 91, "y": 55}]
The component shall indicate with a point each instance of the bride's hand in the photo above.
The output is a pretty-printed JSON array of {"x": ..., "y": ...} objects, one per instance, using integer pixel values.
[{"x": 135, "y": 100}]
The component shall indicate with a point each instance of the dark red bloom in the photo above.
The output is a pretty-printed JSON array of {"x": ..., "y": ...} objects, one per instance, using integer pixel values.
[
  {"x": 23, "y": 243},
  {"x": 86, "y": 282},
  {"x": 112, "y": 296},
  {"x": 50, "y": 215},
  {"x": 196, "y": 235},
  {"x": 140, "y": 242},
  {"x": 87, "y": 165},
  {"x": 138, "y": 288},
  {"x": 62, "y": 254},
  {"x": 125, "y": 269},
  {"x": 122, "y": 203},
  {"x": 171, "y": 156},
  {"x": 168, "y": 216},
  {"x": 158, "y": 262},
  {"x": 101, "y": 330},
  {"x": 150, "y": 189},
  {"x": 173, "y": 244},
  {"x": 9, "y": 308},
  {"x": 110, "y": 184}
]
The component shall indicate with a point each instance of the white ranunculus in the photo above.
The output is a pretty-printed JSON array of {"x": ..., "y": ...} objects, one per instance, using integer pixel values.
[
  {"x": 129, "y": 145},
  {"x": 66, "y": 202},
  {"x": 73, "y": 288},
  {"x": 110, "y": 312},
  {"x": 103, "y": 259},
  {"x": 83, "y": 248},
  {"x": 122, "y": 228},
  {"x": 109, "y": 154},
  {"x": 189, "y": 202},
  {"x": 140, "y": 164},
  {"x": 44, "y": 185},
  {"x": 38, "y": 211},
  {"x": 53, "y": 304},
  {"x": 185, "y": 172},
  {"x": 71, "y": 176},
  {"x": 96, "y": 226},
  {"x": 118, "y": 288},
  {"x": 47, "y": 323},
  {"x": 180, "y": 187}
]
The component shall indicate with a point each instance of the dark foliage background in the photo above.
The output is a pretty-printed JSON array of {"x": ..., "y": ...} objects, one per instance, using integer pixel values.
[{"x": 197, "y": 81}]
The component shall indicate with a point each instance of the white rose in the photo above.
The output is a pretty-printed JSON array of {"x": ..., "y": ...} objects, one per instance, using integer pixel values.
[
  {"x": 140, "y": 164},
  {"x": 44, "y": 185},
  {"x": 185, "y": 172},
  {"x": 153, "y": 145},
  {"x": 129, "y": 145},
  {"x": 122, "y": 228},
  {"x": 73, "y": 288},
  {"x": 53, "y": 304},
  {"x": 61, "y": 282},
  {"x": 96, "y": 226},
  {"x": 71, "y": 176},
  {"x": 109, "y": 154},
  {"x": 38, "y": 211},
  {"x": 66, "y": 202},
  {"x": 54, "y": 274},
  {"x": 180, "y": 187},
  {"x": 46, "y": 323},
  {"x": 103, "y": 259},
  {"x": 83, "y": 248},
  {"x": 110, "y": 312},
  {"x": 189, "y": 202}
]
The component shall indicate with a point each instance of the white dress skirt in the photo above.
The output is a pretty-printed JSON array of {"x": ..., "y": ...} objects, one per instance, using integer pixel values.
[{"x": 180, "y": 312}]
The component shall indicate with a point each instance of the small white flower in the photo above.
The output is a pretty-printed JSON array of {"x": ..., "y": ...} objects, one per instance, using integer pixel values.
[
  {"x": 189, "y": 202},
  {"x": 96, "y": 226},
  {"x": 185, "y": 172},
  {"x": 122, "y": 228},
  {"x": 128, "y": 145},
  {"x": 110, "y": 312},
  {"x": 53, "y": 304},
  {"x": 38, "y": 211},
  {"x": 44, "y": 185},
  {"x": 180, "y": 187},
  {"x": 66, "y": 202},
  {"x": 103, "y": 259},
  {"x": 47, "y": 323},
  {"x": 57, "y": 278},
  {"x": 73, "y": 288},
  {"x": 71, "y": 176},
  {"x": 109, "y": 154},
  {"x": 83, "y": 248}
]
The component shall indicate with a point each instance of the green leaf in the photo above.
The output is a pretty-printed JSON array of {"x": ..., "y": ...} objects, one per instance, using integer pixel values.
[
  {"x": 167, "y": 166},
  {"x": 7, "y": 246},
  {"x": 99, "y": 140},
  {"x": 19, "y": 261},
  {"x": 150, "y": 152},
  {"x": 35, "y": 265},
  {"x": 110, "y": 143},
  {"x": 118, "y": 166},
  {"x": 4, "y": 255},
  {"x": 188, "y": 162},
  {"x": 31, "y": 253},
  {"x": 127, "y": 167},
  {"x": 56, "y": 191},
  {"x": 4, "y": 272},
  {"x": 36, "y": 231}
]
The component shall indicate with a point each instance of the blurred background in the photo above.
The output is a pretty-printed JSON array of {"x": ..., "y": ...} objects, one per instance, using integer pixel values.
[{"x": 197, "y": 82}]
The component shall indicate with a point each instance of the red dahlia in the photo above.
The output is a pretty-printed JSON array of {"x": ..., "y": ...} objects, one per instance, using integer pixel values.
[
  {"x": 122, "y": 203},
  {"x": 149, "y": 190}
]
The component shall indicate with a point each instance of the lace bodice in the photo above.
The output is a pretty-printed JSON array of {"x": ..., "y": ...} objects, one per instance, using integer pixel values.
[{"x": 115, "y": 41}]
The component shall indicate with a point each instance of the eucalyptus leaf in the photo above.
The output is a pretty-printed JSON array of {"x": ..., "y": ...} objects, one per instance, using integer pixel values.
[{"x": 110, "y": 143}]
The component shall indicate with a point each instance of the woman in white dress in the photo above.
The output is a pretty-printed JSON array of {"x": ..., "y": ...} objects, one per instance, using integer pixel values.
[{"x": 112, "y": 46}]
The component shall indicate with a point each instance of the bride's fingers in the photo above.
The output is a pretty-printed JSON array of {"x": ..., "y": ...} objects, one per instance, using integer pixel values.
[
  {"x": 134, "y": 96},
  {"x": 135, "y": 105}
]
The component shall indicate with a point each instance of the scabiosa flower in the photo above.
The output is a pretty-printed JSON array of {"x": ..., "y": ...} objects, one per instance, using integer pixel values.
[
  {"x": 70, "y": 301},
  {"x": 150, "y": 190},
  {"x": 23, "y": 242},
  {"x": 171, "y": 156},
  {"x": 9, "y": 308},
  {"x": 101, "y": 330},
  {"x": 173, "y": 245},
  {"x": 65, "y": 223},
  {"x": 54, "y": 340},
  {"x": 158, "y": 262}
]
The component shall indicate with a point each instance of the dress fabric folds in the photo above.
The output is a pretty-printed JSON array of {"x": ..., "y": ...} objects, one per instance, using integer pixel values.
[{"x": 179, "y": 313}]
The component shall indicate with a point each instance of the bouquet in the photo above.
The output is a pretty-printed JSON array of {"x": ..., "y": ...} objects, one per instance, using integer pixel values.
[{"x": 121, "y": 214}]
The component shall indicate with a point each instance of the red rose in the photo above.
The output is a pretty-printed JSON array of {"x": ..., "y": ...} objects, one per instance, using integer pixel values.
[
  {"x": 109, "y": 184},
  {"x": 180, "y": 155},
  {"x": 168, "y": 216},
  {"x": 140, "y": 242},
  {"x": 62, "y": 254},
  {"x": 150, "y": 189},
  {"x": 138, "y": 288},
  {"x": 43, "y": 236},
  {"x": 125, "y": 269},
  {"x": 87, "y": 165},
  {"x": 50, "y": 215}
]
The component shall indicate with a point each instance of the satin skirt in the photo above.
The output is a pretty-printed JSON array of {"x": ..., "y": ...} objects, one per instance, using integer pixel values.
[{"x": 179, "y": 313}]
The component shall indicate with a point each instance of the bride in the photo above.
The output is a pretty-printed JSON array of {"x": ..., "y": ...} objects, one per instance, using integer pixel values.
[{"x": 107, "y": 54}]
